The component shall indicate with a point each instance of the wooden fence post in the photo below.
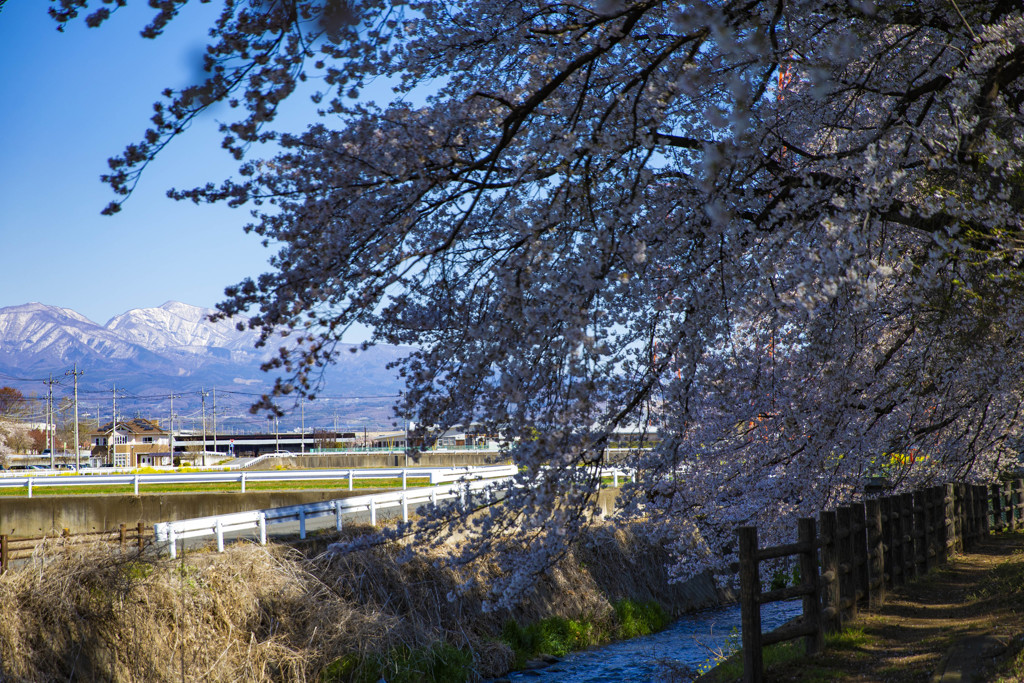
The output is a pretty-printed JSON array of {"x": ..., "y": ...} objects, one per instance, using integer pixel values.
[
  {"x": 141, "y": 528},
  {"x": 859, "y": 542},
  {"x": 899, "y": 568},
  {"x": 996, "y": 492},
  {"x": 876, "y": 552},
  {"x": 1015, "y": 500},
  {"x": 963, "y": 505},
  {"x": 986, "y": 500},
  {"x": 968, "y": 516},
  {"x": 909, "y": 538},
  {"x": 807, "y": 537},
  {"x": 123, "y": 532},
  {"x": 830, "y": 570},
  {"x": 3, "y": 553},
  {"x": 972, "y": 516},
  {"x": 949, "y": 520},
  {"x": 921, "y": 526},
  {"x": 958, "y": 504},
  {"x": 1007, "y": 505},
  {"x": 980, "y": 512},
  {"x": 889, "y": 557},
  {"x": 938, "y": 522},
  {"x": 847, "y": 567},
  {"x": 750, "y": 608}
]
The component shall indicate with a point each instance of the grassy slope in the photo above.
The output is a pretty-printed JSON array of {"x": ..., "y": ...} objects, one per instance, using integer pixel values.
[{"x": 280, "y": 613}]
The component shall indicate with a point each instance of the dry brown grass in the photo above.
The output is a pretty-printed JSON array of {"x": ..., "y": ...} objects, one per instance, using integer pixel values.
[{"x": 274, "y": 613}]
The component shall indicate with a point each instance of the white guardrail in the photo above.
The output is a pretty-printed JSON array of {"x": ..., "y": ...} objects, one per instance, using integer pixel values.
[
  {"x": 257, "y": 520},
  {"x": 436, "y": 475}
]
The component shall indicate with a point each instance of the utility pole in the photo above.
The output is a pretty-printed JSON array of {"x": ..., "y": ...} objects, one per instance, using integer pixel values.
[
  {"x": 302, "y": 433},
  {"x": 49, "y": 421},
  {"x": 76, "y": 374},
  {"x": 277, "y": 436},
  {"x": 111, "y": 449},
  {"x": 202, "y": 395},
  {"x": 170, "y": 432},
  {"x": 406, "y": 419},
  {"x": 215, "y": 420}
]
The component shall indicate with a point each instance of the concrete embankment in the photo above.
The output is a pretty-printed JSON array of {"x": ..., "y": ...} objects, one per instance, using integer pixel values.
[
  {"x": 28, "y": 517},
  {"x": 42, "y": 514}
]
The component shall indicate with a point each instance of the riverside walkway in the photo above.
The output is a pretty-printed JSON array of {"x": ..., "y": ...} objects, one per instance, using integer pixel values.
[{"x": 962, "y": 622}]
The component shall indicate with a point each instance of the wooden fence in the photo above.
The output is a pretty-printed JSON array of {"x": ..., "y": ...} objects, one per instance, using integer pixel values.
[
  {"x": 861, "y": 551},
  {"x": 21, "y": 548}
]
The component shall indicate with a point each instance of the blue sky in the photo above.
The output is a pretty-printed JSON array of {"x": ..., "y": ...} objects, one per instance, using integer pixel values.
[{"x": 70, "y": 100}]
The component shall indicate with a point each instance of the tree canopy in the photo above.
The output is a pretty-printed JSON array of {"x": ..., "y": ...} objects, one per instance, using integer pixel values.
[{"x": 787, "y": 235}]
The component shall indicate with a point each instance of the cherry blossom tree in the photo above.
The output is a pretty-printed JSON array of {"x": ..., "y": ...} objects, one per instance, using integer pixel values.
[{"x": 787, "y": 235}]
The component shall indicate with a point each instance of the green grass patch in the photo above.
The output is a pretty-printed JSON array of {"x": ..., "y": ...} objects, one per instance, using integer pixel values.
[
  {"x": 1006, "y": 579},
  {"x": 636, "y": 619},
  {"x": 439, "y": 663},
  {"x": 788, "y": 654},
  {"x": 847, "y": 639},
  {"x": 129, "y": 489},
  {"x": 558, "y": 636},
  {"x": 731, "y": 668},
  {"x": 552, "y": 636}
]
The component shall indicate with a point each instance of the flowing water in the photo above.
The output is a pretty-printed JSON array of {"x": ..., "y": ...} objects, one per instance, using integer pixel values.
[{"x": 686, "y": 645}]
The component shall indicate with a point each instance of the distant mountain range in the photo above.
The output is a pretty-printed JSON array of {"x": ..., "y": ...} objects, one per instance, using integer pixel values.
[{"x": 173, "y": 348}]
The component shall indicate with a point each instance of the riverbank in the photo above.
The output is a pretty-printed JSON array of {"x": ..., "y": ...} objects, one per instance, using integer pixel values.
[
  {"x": 292, "y": 613},
  {"x": 962, "y": 622}
]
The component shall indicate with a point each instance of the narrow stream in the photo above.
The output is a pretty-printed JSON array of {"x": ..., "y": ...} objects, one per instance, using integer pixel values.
[{"x": 685, "y": 645}]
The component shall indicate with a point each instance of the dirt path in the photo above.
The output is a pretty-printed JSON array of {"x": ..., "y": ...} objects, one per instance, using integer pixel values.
[{"x": 962, "y": 622}]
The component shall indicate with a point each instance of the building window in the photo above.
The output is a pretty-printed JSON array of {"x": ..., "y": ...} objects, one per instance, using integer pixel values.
[{"x": 147, "y": 439}]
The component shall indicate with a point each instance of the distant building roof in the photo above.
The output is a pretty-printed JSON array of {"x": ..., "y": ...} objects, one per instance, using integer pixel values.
[{"x": 136, "y": 425}]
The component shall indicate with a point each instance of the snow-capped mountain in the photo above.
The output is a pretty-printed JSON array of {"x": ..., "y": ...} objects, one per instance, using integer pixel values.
[
  {"x": 170, "y": 348},
  {"x": 180, "y": 326},
  {"x": 34, "y": 335}
]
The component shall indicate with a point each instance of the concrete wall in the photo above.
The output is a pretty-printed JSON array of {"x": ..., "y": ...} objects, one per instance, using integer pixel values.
[
  {"x": 29, "y": 517},
  {"x": 381, "y": 460}
]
